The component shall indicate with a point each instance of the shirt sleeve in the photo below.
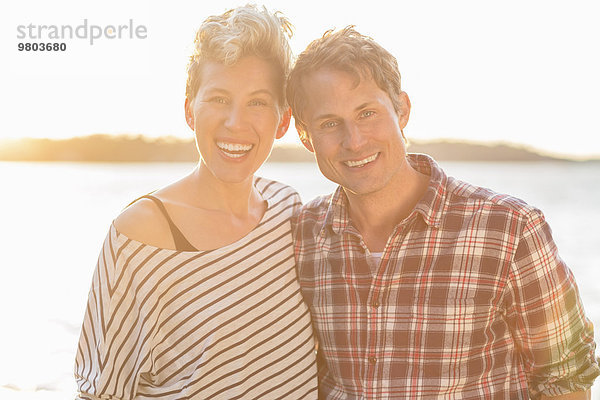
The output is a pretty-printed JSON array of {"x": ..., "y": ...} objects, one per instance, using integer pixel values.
[
  {"x": 110, "y": 355},
  {"x": 296, "y": 208},
  {"x": 297, "y": 204},
  {"x": 549, "y": 325}
]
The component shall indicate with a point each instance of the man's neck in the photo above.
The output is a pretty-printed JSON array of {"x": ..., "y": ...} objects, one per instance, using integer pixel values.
[{"x": 375, "y": 215}]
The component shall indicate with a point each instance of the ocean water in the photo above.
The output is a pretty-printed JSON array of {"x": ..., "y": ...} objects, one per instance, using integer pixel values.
[{"x": 54, "y": 217}]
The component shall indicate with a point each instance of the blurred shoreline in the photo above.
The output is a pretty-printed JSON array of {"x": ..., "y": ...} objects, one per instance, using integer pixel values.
[{"x": 139, "y": 148}]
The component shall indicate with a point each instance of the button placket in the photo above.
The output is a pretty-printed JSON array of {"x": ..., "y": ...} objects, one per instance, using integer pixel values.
[{"x": 376, "y": 298}]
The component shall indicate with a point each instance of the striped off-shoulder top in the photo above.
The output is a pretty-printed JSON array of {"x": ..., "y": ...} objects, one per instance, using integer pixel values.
[{"x": 227, "y": 323}]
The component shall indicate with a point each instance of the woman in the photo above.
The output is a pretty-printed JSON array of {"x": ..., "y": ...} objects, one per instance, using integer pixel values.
[{"x": 195, "y": 292}]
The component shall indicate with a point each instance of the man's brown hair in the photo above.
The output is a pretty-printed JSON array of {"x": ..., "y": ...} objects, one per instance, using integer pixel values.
[{"x": 345, "y": 50}]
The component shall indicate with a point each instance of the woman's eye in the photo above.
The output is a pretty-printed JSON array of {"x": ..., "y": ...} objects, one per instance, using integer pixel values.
[
  {"x": 218, "y": 100},
  {"x": 258, "y": 103}
]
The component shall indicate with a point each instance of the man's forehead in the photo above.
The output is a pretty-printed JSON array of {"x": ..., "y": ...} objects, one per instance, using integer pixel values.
[
  {"x": 324, "y": 103},
  {"x": 327, "y": 74}
]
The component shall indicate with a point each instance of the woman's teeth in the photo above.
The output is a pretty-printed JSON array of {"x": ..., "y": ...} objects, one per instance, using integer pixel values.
[
  {"x": 234, "y": 150},
  {"x": 360, "y": 163}
]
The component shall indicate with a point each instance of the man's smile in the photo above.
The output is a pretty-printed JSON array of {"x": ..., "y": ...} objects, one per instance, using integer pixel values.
[{"x": 363, "y": 162}]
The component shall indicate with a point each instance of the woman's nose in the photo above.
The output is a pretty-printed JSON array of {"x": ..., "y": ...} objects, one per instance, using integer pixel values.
[{"x": 235, "y": 119}]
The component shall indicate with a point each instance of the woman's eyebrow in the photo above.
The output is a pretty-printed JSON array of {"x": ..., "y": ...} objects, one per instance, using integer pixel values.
[
  {"x": 212, "y": 90},
  {"x": 262, "y": 91}
]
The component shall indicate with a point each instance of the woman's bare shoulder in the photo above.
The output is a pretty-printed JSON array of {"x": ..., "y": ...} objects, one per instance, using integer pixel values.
[{"x": 144, "y": 222}]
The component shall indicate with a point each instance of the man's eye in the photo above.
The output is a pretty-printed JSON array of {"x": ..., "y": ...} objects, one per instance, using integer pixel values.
[
  {"x": 329, "y": 124},
  {"x": 367, "y": 114}
]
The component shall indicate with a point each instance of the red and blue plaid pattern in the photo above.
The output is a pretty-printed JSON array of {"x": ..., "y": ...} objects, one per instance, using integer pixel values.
[{"x": 470, "y": 300}]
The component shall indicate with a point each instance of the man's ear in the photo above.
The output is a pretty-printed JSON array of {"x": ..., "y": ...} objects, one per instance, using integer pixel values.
[
  {"x": 404, "y": 111},
  {"x": 305, "y": 140},
  {"x": 284, "y": 124},
  {"x": 189, "y": 115}
]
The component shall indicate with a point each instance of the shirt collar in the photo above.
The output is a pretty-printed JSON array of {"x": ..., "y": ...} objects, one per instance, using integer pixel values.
[
  {"x": 430, "y": 207},
  {"x": 337, "y": 213},
  {"x": 432, "y": 204}
]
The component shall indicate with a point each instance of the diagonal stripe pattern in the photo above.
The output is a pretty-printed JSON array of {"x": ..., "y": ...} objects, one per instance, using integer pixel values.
[{"x": 219, "y": 324}]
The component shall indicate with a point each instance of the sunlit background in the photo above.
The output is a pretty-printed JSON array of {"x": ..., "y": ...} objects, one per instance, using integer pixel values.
[
  {"x": 516, "y": 71},
  {"x": 521, "y": 72}
]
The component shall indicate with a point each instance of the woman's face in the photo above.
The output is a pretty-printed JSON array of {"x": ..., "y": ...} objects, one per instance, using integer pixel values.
[{"x": 236, "y": 117}]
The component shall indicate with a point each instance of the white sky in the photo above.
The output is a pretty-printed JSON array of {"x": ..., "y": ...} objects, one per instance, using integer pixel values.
[{"x": 514, "y": 71}]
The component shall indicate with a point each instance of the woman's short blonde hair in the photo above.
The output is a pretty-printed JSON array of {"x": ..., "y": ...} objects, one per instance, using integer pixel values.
[
  {"x": 243, "y": 31},
  {"x": 345, "y": 50}
]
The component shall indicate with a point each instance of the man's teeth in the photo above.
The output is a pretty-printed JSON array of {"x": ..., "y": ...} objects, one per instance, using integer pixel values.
[
  {"x": 235, "y": 150},
  {"x": 362, "y": 162}
]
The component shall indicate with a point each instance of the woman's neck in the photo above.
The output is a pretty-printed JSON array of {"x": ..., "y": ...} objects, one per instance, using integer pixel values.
[{"x": 239, "y": 199}]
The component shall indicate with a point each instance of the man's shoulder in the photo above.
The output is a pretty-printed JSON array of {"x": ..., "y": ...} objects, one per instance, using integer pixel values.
[
  {"x": 317, "y": 206},
  {"x": 467, "y": 196},
  {"x": 312, "y": 214},
  {"x": 459, "y": 195}
]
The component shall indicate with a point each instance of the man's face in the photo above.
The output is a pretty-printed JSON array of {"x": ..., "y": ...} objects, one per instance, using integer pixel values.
[
  {"x": 354, "y": 131},
  {"x": 236, "y": 117}
]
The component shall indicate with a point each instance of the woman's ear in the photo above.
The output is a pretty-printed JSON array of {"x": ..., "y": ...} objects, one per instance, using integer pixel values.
[
  {"x": 284, "y": 124},
  {"x": 189, "y": 115}
]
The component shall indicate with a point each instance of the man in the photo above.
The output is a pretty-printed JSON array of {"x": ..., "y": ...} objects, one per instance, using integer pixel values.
[{"x": 420, "y": 285}]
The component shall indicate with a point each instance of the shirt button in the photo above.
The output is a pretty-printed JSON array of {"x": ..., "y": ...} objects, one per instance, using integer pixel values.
[
  {"x": 375, "y": 304},
  {"x": 372, "y": 360}
]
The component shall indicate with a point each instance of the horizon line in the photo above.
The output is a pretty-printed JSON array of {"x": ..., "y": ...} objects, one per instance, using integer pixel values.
[{"x": 410, "y": 140}]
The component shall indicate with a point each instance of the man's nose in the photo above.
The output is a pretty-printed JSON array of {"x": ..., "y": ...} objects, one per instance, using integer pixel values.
[{"x": 354, "y": 138}]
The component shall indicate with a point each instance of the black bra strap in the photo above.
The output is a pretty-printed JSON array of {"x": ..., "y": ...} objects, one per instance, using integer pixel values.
[{"x": 181, "y": 243}]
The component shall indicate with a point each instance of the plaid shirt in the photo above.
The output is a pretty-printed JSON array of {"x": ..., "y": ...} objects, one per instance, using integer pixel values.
[{"x": 470, "y": 300}]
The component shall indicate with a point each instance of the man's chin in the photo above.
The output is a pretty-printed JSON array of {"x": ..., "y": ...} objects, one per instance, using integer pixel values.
[{"x": 361, "y": 190}]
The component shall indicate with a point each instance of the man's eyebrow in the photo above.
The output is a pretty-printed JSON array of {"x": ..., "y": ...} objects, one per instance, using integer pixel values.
[
  {"x": 363, "y": 106},
  {"x": 325, "y": 116}
]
